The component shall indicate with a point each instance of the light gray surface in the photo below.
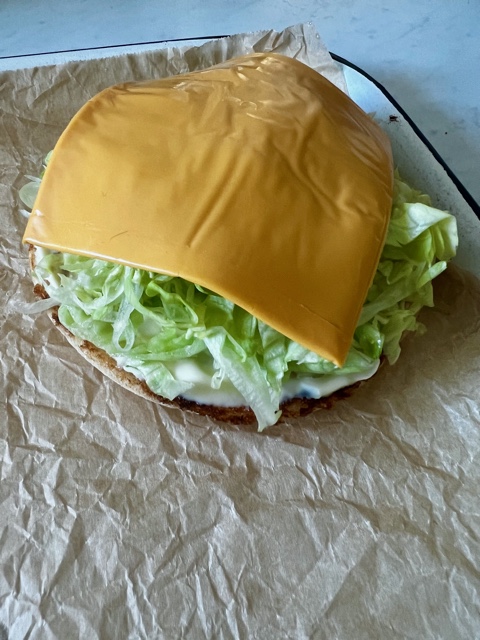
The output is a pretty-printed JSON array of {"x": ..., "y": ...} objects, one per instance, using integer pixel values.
[{"x": 427, "y": 54}]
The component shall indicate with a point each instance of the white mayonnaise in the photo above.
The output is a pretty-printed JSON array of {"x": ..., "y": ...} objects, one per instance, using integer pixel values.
[{"x": 227, "y": 395}]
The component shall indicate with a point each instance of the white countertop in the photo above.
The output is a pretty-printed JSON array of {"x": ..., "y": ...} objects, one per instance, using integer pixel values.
[{"x": 426, "y": 54}]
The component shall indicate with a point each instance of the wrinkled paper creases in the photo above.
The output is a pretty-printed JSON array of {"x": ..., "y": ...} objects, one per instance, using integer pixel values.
[{"x": 122, "y": 519}]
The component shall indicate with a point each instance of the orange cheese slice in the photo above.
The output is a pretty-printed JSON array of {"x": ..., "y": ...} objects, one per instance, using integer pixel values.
[{"x": 256, "y": 178}]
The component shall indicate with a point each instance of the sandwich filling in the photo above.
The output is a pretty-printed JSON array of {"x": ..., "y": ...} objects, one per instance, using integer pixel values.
[
  {"x": 184, "y": 340},
  {"x": 235, "y": 236}
]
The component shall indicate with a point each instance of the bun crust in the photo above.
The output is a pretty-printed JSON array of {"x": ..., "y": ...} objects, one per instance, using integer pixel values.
[{"x": 294, "y": 408}]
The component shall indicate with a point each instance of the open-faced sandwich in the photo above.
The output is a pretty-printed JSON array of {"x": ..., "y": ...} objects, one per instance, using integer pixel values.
[{"x": 233, "y": 240}]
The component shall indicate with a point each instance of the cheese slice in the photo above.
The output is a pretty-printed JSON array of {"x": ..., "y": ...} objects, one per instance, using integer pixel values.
[{"x": 256, "y": 178}]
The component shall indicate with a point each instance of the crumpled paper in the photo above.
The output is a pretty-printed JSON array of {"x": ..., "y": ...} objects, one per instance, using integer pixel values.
[{"x": 122, "y": 519}]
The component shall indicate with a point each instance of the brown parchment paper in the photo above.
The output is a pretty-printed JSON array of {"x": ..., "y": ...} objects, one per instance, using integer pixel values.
[{"x": 121, "y": 519}]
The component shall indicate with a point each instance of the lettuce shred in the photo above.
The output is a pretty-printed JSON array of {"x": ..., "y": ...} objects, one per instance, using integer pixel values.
[{"x": 147, "y": 321}]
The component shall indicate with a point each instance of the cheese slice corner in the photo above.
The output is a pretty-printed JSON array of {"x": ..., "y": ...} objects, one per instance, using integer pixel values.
[{"x": 256, "y": 178}]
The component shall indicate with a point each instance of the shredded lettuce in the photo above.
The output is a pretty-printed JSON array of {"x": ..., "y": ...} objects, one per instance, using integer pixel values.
[
  {"x": 148, "y": 321},
  {"x": 29, "y": 191}
]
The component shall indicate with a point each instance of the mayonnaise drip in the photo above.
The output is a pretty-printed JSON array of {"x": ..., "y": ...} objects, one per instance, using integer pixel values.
[{"x": 200, "y": 376}]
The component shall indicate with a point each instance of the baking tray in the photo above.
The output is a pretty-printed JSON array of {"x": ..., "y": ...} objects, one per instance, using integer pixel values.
[
  {"x": 417, "y": 160},
  {"x": 371, "y": 493}
]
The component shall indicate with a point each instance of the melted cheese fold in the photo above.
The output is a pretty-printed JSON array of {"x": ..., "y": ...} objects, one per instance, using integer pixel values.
[{"x": 257, "y": 179}]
